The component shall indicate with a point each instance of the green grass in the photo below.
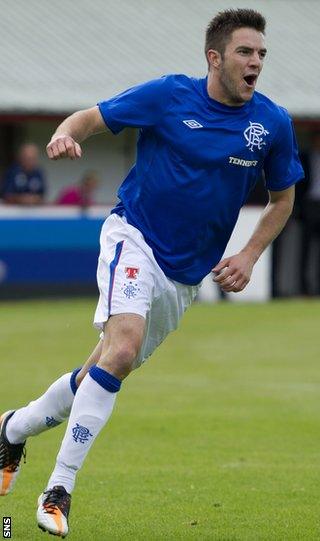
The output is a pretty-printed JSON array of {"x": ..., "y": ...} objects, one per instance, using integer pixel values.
[{"x": 215, "y": 438}]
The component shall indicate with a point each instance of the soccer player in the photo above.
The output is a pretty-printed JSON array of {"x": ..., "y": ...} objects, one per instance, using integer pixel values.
[{"x": 203, "y": 144}]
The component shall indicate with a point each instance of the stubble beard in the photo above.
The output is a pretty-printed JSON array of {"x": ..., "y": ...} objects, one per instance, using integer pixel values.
[{"x": 230, "y": 89}]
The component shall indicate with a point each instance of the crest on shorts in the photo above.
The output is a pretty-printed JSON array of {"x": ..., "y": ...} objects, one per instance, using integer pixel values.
[
  {"x": 132, "y": 272},
  {"x": 130, "y": 290},
  {"x": 254, "y": 134}
]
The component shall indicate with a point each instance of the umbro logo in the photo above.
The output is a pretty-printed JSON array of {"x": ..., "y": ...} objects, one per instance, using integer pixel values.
[{"x": 192, "y": 124}]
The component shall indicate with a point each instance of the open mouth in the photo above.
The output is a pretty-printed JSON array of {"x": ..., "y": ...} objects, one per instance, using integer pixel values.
[{"x": 250, "y": 80}]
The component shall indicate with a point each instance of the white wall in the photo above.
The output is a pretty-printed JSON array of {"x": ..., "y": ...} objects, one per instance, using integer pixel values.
[{"x": 259, "y": 287}]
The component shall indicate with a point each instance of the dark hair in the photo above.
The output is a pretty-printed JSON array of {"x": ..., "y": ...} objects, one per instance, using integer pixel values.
[{"x": 220, "y": 28}]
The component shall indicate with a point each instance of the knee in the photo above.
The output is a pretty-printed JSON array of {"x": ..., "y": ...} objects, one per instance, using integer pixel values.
[
  {"x": 125, "y": 353},
  {"x": 119, "y": 360}
]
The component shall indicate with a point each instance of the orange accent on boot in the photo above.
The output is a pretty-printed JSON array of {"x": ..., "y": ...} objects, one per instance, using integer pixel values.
[
  {"x": 57, "y": 517},
  {"x": 6, "y": 481}
]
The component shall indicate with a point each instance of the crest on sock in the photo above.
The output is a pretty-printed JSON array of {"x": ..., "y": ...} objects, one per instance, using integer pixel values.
[{"x": 80, "y": 433}]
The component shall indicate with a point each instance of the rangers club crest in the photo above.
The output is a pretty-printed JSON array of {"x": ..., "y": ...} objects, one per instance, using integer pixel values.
[
  {"x": 81, "y": 433},
  {"x": 254, "y": 135},
  {"x": 130, "y": 290},
  {"x": 132, "y": 272}
]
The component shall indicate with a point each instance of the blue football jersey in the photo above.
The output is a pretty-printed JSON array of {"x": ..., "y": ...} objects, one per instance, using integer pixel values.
[{"x": 197, "y": 160}]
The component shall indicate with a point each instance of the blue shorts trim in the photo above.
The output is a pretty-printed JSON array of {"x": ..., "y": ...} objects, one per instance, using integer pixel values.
[{"x": 113, "y": 266}]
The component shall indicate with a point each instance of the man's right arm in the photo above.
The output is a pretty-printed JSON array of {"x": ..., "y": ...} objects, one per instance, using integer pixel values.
[{"x": 65, "y": 142}]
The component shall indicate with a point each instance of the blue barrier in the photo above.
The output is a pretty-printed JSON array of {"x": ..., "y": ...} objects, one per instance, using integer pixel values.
[
  {"x": 51, "y": 234},
  {"x": 49, "y": 250}
]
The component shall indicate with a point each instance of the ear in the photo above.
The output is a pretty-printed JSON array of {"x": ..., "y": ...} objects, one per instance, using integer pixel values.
[{"x": 214, "y": 58}]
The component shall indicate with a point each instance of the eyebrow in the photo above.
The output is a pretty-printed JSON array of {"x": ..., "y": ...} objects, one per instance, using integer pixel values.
[{"x": 251, "y": 49}]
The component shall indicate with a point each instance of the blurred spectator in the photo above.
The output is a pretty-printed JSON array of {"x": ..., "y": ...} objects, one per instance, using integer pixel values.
[
  {"x": 80, "y": 194},
  {"x": 24, "y": 182}
]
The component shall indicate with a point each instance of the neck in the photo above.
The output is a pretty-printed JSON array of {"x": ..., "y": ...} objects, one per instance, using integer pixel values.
[{"x": 217, "y": 92}]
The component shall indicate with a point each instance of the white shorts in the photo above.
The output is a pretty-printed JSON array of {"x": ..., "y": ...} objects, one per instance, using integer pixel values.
[{"x": 131, "y": 281}]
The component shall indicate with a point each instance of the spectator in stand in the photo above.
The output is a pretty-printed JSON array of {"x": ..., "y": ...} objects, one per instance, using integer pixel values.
[
  {"x": 24, "y": 182},
  {"x": 80, "y": 194}
]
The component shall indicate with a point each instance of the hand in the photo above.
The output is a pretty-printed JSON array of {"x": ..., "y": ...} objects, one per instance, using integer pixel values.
[
  {"x": 234, "y": 273},
  {"x": 63, "y": 146}
]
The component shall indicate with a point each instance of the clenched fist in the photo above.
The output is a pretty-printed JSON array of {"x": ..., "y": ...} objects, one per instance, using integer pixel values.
[{"x": 63, "y": 146}]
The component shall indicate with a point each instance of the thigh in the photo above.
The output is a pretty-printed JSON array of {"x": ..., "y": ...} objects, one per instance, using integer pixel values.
[{"x": 125, "y": 329}]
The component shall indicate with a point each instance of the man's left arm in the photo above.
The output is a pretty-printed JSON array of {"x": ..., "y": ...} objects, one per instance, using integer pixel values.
[{"x": 234, "y": 273}]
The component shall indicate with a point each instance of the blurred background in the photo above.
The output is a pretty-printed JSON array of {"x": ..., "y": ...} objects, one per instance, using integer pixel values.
[{"x": 63, "y": 56}]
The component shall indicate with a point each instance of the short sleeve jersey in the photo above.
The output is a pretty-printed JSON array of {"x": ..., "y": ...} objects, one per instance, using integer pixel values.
[{"x": 197, "y": 160}]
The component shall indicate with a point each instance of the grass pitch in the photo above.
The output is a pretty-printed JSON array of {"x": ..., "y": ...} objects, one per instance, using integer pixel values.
[{"x": 215, "y": 438}]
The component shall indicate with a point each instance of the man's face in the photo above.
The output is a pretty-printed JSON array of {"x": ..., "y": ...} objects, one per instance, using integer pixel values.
[
  {"x": 240, "y": 65},
  {"x": 29, "y": 157}
]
